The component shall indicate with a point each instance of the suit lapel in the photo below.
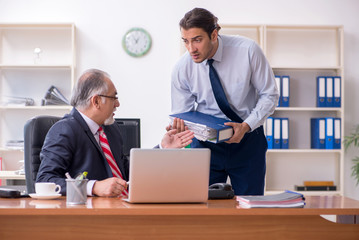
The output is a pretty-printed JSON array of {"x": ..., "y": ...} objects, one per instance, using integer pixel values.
[
  {"x": 85, "y": 127},
  {"x": 75, "y": 114}
]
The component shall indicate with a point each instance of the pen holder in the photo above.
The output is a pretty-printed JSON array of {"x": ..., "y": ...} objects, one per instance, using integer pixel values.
[{"x": 76, "y": 192}]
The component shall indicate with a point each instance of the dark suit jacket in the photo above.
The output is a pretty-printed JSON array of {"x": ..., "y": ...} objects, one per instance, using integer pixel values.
[{"x": 71, "y": 147}]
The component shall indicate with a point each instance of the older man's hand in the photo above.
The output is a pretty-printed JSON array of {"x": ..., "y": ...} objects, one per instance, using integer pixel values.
[{"x": 172, "y": 139}]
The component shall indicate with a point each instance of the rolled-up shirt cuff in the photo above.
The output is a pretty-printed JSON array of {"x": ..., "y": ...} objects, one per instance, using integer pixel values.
[{"x": 89, "y": 187}]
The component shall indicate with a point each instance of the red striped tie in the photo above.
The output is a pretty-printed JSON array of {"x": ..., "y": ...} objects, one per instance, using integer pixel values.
[{"x": 109, "y": 157}]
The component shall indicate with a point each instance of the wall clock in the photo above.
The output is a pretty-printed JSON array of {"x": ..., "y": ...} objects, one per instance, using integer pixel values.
[{"x": 137, "y": 42}]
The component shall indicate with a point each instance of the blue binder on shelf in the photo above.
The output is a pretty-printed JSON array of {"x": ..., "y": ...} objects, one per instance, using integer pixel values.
[
  {"x": 337, "y": 92},
  {"x": 269, "y": 132},
  {"x": 276, "y": 133},
  {"x": 329, "y": 91},
  {"x": 337, "y": 133},
  {"x": 285, "y": 133},
  {"x": 285, "y": 91},
  {"x": 317, "y": 129},
  {"x": 329, "y": 133},
  {"x": 279, "y": 87},
  {"x": 321, "y": 92}
]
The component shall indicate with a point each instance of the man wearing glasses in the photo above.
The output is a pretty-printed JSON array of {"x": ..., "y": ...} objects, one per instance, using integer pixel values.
[{"x": 87, "y": 140}]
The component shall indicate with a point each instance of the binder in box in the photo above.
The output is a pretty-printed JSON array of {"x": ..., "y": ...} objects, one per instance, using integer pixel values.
[
  {"x": 269, "y": 132},
  {"x": 276, "y": 133},
  {"x": 285, "y": 91},
  {"x": 337, "y": 133},
  {"x": 337, "y": 92},
  {"x": 321, "y": 91},
  {"x": 329, "y": 133},
  {"x": 329, "y": 91},
  {"x": 279, "y": 87},
  {"x": 317, "y": 128},
  {"x": 285, "y": 133}
]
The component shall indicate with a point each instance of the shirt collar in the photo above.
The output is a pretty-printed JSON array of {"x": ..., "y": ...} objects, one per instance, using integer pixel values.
[
  {"x": 90, "y": 123},
  {"x": 218, "y": 55}
]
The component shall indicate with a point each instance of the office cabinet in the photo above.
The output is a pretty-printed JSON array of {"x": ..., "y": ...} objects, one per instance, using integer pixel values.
[
  {"x": 304, "y": 53},
  {"x": 33, "y": 57}
]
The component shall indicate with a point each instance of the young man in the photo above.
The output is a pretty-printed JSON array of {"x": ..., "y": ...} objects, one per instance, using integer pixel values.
[
  {"x": 76, "y": 143},
  {"x": 238, "y": 66}
]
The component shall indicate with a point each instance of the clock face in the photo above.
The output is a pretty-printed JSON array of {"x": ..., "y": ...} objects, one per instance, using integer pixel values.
[{"x": 136, "y": 42}]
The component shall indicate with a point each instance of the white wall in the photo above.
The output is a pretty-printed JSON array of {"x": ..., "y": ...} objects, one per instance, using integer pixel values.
[{"x": 144, "y": 84}]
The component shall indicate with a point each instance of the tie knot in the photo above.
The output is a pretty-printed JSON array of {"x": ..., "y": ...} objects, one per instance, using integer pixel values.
[
  {"x": 100, "y": 129},
  {"x": 210, "y": 61}
]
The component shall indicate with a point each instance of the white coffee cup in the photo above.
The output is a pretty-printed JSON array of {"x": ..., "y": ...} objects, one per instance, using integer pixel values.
[{"x": 47, "y": 188}]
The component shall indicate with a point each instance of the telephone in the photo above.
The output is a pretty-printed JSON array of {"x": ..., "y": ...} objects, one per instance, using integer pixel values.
[{"x": 220, "y": 191}]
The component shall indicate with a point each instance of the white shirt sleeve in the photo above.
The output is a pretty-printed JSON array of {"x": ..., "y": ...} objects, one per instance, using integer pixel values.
[{"x": 89, "y": 187}]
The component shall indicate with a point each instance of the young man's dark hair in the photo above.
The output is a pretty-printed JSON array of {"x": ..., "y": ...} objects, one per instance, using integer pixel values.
[{"x": 200, "y": 18}]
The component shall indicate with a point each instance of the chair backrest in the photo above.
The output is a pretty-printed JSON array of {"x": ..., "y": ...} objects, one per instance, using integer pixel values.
[{"x": 35, "y": 131}]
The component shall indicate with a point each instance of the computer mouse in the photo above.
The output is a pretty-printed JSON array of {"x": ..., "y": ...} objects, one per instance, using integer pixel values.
[{"x": 221, "y": 186}]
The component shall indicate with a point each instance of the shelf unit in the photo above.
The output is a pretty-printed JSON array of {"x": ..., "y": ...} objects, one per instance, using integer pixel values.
[
  {"x": 25, "y": 73},
  {"x": 303, "y": 53}
]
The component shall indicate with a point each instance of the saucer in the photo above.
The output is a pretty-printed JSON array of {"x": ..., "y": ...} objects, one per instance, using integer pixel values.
[{"x": 50, "y": 196}]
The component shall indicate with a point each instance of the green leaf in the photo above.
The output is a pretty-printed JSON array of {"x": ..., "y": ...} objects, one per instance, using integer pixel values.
[
  {"x": 355, "y": 169},
  {"x": 353, "y": 140}
]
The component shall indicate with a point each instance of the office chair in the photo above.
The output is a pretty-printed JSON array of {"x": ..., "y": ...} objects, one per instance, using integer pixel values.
[{"x": 35, "y": 131}]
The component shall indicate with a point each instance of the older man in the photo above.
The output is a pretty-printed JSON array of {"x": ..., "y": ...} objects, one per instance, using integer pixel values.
[{"x": 87, "y": 140}]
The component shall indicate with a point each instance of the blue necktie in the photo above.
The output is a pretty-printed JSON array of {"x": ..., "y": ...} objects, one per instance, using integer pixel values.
[{"x": 219, "y": 94}]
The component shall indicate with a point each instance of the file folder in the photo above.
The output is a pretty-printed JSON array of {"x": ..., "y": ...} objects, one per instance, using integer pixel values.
[
  {"x": 329, "y": 133},
  {"x": 321, "y": 101},
  {"x": 276, "y": 133},
  {"x": 337, "y": 133},
  {"x": 329, "y": 91},
  {"x": 337, "y": 92},
  {"x": 279, "y": 87},
  {"x": 285, "y": 133},
  {"x": 317, "y": 128},
  {"x": 285, "y": 91},
  {"x": 206, "y": 127},
  {"x": 269, "y": 132}
]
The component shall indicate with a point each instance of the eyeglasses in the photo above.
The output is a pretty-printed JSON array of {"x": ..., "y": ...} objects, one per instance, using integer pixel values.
[{"x": 114, "y": 98}]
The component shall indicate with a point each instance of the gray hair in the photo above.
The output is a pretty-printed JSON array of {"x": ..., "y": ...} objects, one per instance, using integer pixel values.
[{"x": 90, "y": 83}]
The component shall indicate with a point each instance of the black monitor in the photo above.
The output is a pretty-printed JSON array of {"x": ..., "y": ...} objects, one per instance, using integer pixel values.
[{"x": 130, "y": 132}]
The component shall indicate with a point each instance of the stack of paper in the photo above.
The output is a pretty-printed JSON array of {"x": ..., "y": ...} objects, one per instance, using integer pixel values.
[
  {"x": 205, "y": 127},
  {"x": 286, "y": 199},
  {"x": 54, "y": 97}
]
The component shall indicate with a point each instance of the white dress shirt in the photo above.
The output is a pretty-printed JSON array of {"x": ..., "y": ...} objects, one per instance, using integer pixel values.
[
  {"x": 246, "y": 77},
  {"x": 94, "y": 130}
]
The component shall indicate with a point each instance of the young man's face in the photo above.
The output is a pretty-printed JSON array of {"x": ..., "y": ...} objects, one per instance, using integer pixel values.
[{"x": 198, "y": 43}]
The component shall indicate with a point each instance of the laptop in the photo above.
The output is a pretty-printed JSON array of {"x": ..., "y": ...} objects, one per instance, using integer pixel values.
[{"x": 169, "y": 175}]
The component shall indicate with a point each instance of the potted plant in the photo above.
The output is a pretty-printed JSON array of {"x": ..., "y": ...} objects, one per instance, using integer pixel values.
[{"x": 353, "y": 140}]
